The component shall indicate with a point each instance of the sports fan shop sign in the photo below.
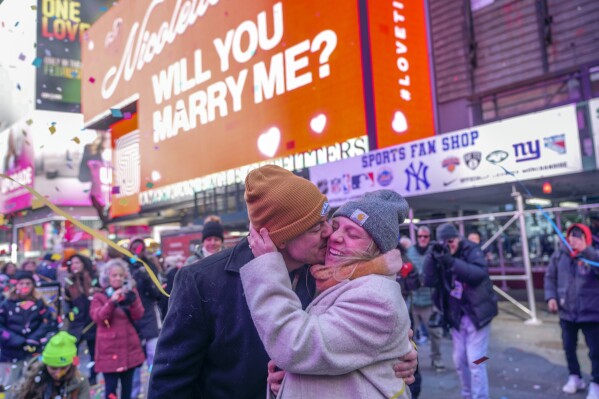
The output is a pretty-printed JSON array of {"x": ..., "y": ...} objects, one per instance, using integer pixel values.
[
  {"x": 224, "y": 84},
  {"x": 528, "y": 147}
]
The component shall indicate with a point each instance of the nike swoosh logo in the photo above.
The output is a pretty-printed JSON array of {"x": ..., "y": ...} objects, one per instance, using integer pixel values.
[{"x": 447, "y": 183}]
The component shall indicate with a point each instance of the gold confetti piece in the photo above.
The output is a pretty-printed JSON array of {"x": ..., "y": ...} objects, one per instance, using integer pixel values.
[
  {"x": 29, "y": 122},
  {"x": 36, "y": 203},
  {"x": 76, "y": 140},
  {"x": 39, "y": 230},
  {"x": 123, "y": 201},
  {"x": 52, "y": 129},
  {"x": 34, "y": 8}
]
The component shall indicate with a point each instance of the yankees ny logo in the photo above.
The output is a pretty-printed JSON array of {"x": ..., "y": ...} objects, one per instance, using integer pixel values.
[{"x": 418, "y": 175}]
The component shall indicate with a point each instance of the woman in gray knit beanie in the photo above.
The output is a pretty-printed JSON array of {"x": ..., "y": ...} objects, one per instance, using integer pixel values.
[{"x": 345, "y": 343}]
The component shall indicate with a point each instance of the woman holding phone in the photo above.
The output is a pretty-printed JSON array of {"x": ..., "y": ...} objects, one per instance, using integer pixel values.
[{"x": 118, "y": 348}]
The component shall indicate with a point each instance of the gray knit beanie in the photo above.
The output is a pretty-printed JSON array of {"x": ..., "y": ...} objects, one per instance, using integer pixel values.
[
  {"x": 379, "y": 213},
  {"x": 446, "y": 231}
]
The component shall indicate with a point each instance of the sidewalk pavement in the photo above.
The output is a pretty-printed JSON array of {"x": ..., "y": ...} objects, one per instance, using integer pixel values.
[{"x": 525, "y": 361}]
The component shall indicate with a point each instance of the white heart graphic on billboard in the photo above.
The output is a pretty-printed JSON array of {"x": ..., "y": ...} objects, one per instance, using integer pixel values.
[
  {"x": 399, "y": 124},
  {"x": 318, "y": 123},
  {"x": 155, "y": 175},
  {"x": 268, "y": 142}
]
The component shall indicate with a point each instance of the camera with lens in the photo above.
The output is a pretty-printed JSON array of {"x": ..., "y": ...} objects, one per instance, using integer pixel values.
[{"x": 439, "y": 248}]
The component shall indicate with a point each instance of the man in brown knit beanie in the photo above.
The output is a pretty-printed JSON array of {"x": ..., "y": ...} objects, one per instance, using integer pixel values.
[{"x": 208, "y": 346}]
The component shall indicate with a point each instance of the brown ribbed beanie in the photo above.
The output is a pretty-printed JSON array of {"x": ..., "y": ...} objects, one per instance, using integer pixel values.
[{"x": 285, "y": 204}]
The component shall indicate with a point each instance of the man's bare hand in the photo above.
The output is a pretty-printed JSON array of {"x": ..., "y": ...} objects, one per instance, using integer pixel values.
[
  {"x": 552, "y": 305},
  {"x": 275, "y": 378},
  {"x": 406, "y": 368},
  {"x": 260, "y": 242}
]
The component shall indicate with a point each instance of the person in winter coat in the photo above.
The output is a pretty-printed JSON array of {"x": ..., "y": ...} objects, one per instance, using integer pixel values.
[
  {"x": 54, "y": 375},
  {"x": 572, "y": 289},
  {"x": 151, "y": 322},
  {"x": 345, "y": 343},
  {"x": 408, "y": 279},
  {"x": 172, "y": 265},
  {"x": 464, "y": 294},
  {"x": 422, "y": 299},
  {"x": 46, "y": 269},
  {"x": 212, "y": 240},
  {"x": 118, "y": 347},
  {"x": 80, "y": 286},
  {"x": 7, "y": 281},
  {"x": 209, "y": 346},
  {"x": 29, "y": 265},
  {"x": 25, "y": 326},
  {"x": 9, "y": 269}
]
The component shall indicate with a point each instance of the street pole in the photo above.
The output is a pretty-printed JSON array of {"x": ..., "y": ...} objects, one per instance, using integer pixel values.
[{"x": 526, "y": 259}]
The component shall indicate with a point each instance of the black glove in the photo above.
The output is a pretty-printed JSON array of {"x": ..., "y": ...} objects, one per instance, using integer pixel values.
[{"x": 443, "y": 257}]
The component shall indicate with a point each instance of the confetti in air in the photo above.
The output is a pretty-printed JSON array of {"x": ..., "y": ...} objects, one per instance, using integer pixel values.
[{"x": 481, "y": 360}]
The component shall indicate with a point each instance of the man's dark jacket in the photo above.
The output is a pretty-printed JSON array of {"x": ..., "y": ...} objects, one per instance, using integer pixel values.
[
  {"x": 468, "y": 266},
  {"x": 149, "y": 294},
  {"x": 209, "y": 347}
]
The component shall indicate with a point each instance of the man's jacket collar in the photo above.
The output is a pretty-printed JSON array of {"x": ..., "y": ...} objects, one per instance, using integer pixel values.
[{"x": 239, "y": 256}]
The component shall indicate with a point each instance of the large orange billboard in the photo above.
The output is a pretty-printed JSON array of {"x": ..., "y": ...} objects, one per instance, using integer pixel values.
[
  {"x": 400, "y": 72},
  {"x": 222, "y": 84}
]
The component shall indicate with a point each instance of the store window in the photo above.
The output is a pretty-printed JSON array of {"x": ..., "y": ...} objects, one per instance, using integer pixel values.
[{"x": 531, "y": 98}]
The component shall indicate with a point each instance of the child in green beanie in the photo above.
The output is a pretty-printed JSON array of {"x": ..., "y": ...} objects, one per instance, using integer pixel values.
[{"x": 53, "y": 375}]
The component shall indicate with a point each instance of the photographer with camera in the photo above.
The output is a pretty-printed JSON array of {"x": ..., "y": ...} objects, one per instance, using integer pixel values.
[{"x": 457, "y": 269}]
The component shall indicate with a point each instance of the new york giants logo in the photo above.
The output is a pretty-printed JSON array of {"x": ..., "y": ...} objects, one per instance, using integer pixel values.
[{"x": 527, "y": 151}]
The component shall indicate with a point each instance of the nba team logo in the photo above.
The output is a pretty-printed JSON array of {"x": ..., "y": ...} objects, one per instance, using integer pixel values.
[
  {"x": 384, "y": 177},
  {"x": 346, "y": 183},
  {"x": 472, "y": 159},
  {"x": 336, "y": 185},
  {"x": 451, "y": 163},
  {"x": 556, "y": 143}
]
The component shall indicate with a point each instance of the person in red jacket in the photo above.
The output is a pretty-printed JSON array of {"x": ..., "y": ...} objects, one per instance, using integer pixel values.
[{"x": 118, "y": 347}]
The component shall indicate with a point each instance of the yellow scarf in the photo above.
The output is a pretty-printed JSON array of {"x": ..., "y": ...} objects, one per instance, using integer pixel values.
[{"x": 328, "y": 276}]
